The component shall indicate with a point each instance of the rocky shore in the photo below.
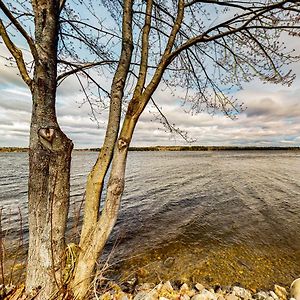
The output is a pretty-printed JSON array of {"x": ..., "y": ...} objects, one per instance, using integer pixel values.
[{"x": 169, "y": 291}]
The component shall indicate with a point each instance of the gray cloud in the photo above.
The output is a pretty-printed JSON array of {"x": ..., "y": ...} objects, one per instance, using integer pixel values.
[{"x": 272, "y": 117}]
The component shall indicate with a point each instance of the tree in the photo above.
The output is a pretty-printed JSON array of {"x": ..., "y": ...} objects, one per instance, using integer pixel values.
[
  {"x": 56, "y": 27},
  {"x": 208, "y": 48}
]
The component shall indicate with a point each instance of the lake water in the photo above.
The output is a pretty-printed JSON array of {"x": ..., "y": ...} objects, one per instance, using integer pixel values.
[{"x": 215, "y": 217}]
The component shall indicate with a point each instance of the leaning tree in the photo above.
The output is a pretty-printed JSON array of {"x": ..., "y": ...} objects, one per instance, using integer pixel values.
[{"x": 206, "y": 48}]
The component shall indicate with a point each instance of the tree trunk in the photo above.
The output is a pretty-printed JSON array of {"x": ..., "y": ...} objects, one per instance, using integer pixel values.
[
  {"x": 96, "y": 177},
  {"x": 49, "y": 162},
  {"x": 94, "y": 243}
]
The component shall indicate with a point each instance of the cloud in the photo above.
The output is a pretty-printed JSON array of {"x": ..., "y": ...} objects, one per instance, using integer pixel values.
[{"x": 272, "y": 116}]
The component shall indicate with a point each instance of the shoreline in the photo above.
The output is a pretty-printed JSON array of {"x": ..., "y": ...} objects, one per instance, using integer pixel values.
[
  {"x": 167, "y": 290},
  {"x": 176, "y": 148}
]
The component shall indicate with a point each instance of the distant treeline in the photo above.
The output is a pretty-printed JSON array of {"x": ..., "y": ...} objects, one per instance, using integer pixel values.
[
  {"x": 13, "y": 149},
  {"x": 174, "y": 148},
  {"x": 201, "y": 148}
]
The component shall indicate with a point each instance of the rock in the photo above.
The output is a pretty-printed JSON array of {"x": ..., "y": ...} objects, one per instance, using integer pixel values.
[
  {"x": 207, "y": 295},
  {"x": 241, "y": 292},
  {"x": 163, "y": 298},
  {"x": 121, "y": 296},
  {"x": 167, "y": 287},
  {"x": 184, "y": 288},
  {"x": 185, "y": 297},
  {"x": 280, "y": 292},
  {"x": 199, "y": 297},
  {"x": 260, "y": 296},
  {"x": 220, "y": 297},
  {"x": 145, "y": 296},
  {"x": 273, "y": 295},
  {"x": 191, "y": 293},
  {"x": 106, "y": 296},
  {"x": 231, "y": 297},
  {"x": 295, "y": 289},
  {"x": 199, "y": 287}
]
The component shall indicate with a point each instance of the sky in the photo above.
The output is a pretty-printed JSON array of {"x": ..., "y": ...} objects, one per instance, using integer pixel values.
[{"x": 272, "y": 117}]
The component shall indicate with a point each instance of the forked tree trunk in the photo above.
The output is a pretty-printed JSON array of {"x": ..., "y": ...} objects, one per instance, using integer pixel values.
[
  {"x": 93, "y": 245},
  {"x": 49, "y": 162}
]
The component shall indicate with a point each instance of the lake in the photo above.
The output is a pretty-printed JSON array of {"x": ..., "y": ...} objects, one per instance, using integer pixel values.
[{"x": 219, "y": 217}]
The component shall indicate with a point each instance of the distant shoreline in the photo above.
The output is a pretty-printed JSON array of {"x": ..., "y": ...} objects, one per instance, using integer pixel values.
[{"x": 176, "y": 148}]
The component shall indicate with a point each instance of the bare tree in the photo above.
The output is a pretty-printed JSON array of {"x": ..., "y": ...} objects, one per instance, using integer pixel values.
[
  {"x": 53, "y": 33},
  {"x": 206, "y": 48}
]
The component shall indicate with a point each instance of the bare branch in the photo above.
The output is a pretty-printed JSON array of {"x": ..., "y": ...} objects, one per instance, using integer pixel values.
[
  {"x": 79, "y": 68},
  {"x": 20, "y": 28},
  {"x": 17, "y": 54}
]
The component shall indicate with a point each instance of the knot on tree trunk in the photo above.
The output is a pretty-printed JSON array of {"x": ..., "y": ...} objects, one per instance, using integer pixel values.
[
  {"x": 54, "y": 139},
  {"x": 122, "y": 143},
  {"x": 46, "y": 136},
  {"x": 116, "y": 186}
]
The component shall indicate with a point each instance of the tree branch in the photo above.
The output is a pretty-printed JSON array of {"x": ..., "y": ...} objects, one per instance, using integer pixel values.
[
  {"x": 17, "y": 54},
  {"x": 20, "y": 28},
  {"x": 79, "y": 68}
]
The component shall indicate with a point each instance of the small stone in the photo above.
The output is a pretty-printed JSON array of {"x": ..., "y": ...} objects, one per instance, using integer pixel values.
[
  {"x": 163, "y": 298},
  {"x": 199, "y": 297},
  {"x": 280, "y": 292},
  {"x": 145, "y": 296},
  {"x": 273, "y": 295},
  {"x": 167, "y": 286},
  {"x": 260, "y": 296},
  {"x": 105, "y": 296},
  {"x": 191, "y": 293},
  {"x": 184, "y": 288},
  {"x": 121, "y": 296},
  {"x": 199, "y": 287},
  {"x": 208, "y": 295},
  {"x": 241, "y": 292},
  {"x": 185, "y": 297},
  {"x": 295, "y": 289},
  {"x": 220, "y": 297},
  {"x": 231, "y": 297}
]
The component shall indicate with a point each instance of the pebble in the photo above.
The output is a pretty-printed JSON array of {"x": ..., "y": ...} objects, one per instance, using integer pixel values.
[
  {"x": 273, "y": 295},
  {"x": 260, "y": 296},
  {"x": 167, "y": 287},
  {"x": 165, "y": 291},
  {"x": 199, "y": 287},
  {"x": 241, "y": 292},
  {"x": 184, "y": 288},
  {"x": 280, "y": 292},
  {"x": 144, "y": 296},
  {"x": 231, "y": 297}
]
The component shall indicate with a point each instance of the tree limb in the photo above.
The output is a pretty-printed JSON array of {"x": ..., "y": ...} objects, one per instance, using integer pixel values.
[
  {"x": 79, "y": 68},
  {"x": 20, "y": 28},
  {"x": 17, "y": 54}
]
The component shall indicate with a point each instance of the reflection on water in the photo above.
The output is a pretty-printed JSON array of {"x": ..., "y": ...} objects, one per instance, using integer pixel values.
[{"x": 219, "y": 217}]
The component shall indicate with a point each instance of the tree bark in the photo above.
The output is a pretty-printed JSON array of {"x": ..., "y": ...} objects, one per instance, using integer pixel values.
[
  {"x": 96, "y": 177},
  {"x": 94, "y": 243},
  {"x": 49, "y": 163}
]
